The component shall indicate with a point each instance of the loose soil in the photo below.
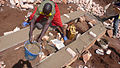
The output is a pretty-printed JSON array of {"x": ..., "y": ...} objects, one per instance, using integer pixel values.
[
  {"x": 33, "y": 48},
  {"x": 11, "y": 18}
]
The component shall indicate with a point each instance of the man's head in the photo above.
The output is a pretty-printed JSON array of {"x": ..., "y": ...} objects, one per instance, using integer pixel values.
[{"x": 47, "y": 8}]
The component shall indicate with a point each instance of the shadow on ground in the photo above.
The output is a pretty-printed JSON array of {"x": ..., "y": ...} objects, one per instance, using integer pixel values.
[{"x": 21, "y": 64}]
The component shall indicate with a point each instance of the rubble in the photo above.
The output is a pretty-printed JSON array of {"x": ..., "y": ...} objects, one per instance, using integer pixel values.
[
  {"x": 15, "y": 30},
  {"x": 100, "y": 51},
  {"x": 86, "y": 56},
  {"x": 110, "y": 33},
  {"x": 108, "y": 52},
  {"x": 85, "y": 67},
  {"x": 45, "y": 38},
  {"x": 50, "y": 34},
  {"x": 2, "y": 2},
  {"x": 103, "y": 43},
  {"x": 2, "y": 64},
  {"x": 57, "y": 43},
  {"x": 82, "y": 26},
  {"x": 22, "y": 4},
  {"x": 104, "y": 46},
  {"x": 118, "y": 62}
]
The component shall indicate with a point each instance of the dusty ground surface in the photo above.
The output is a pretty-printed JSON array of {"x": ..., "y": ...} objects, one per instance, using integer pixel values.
[
  {"x": 105, "y": 61},
  {"x": 11, "y": 18}
]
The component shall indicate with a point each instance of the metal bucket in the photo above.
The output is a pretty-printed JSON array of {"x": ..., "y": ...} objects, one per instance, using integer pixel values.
[{"x": 31, "y": 50}]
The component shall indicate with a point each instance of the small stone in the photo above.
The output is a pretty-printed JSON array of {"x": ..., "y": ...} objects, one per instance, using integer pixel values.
[
  {"x": 45, "y": 38},
  {"x": 104, "y": 46},
  {"x": 85, "y": 67},
  {"x": 50, "y": 34},
  {"x": 110, "y": 33},
  {"x": 86, "y": 57},
  {"x": 100, "y": 51},
  {"x": 108, "y": 52},
  {"x": 118, "y": 62}
]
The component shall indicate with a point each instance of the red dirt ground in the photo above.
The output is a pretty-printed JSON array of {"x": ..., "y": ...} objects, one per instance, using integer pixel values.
[
  {"x": 11, "y": 18},
  {"x": 105, "y": 61}
]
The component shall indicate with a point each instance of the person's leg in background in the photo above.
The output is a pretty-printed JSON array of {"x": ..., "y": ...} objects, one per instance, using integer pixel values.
[{"x": 115, "y": 26}]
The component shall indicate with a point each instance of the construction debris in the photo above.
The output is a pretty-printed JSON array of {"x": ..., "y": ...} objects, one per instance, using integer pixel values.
[
  {"x": 100, "y": 51},
  {"x": 108, "y": 52},
  {"x": 90, "y": 6},
  {"x": 86, "y": 56},
  {"x": 2, "y": 2},
  {"x": 15, "y": 30},
  {"x": 22, "y": 4},
  {"x": 110, "y": 33},
  {"x": 2, "y": 64},
  {"x": 103, "y": 43},
  {"x": 85, "y": 67},
  {"x": 57, "y": 43},
  {"x": 45, "y": 38}
]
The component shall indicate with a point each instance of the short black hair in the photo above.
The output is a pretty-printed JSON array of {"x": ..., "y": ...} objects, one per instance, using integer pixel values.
[{"x": 47, "y": 8}]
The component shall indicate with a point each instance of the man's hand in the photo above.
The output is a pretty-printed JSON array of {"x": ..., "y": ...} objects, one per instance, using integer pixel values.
[
  {"x": 32, "y": 25},
  {"x": 45, "y": 28},
  {"x": 31, "y": 40}
]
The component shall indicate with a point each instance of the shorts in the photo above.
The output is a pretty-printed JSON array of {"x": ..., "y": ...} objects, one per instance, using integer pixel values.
[{"x": 39, "y": 25}]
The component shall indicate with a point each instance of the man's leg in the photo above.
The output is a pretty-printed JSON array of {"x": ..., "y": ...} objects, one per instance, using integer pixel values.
[
  {"x": 40, "y": 25},
  {"x": 115, "y": 26}
]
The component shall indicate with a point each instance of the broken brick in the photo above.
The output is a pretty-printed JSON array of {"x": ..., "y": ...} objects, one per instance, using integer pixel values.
[{"x": 110, "y": 33}]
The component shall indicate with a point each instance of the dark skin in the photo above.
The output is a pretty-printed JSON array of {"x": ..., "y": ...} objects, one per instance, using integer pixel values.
[
  {"x": 46, "y": 10},
  {"x": 45, "y": 28}
]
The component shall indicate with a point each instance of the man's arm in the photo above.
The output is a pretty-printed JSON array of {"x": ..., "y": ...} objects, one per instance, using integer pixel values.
[
  {"x": 32, "y": 26},
  {"x": 62, "y": 30},
  {"x": 45, "y": 28}
]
